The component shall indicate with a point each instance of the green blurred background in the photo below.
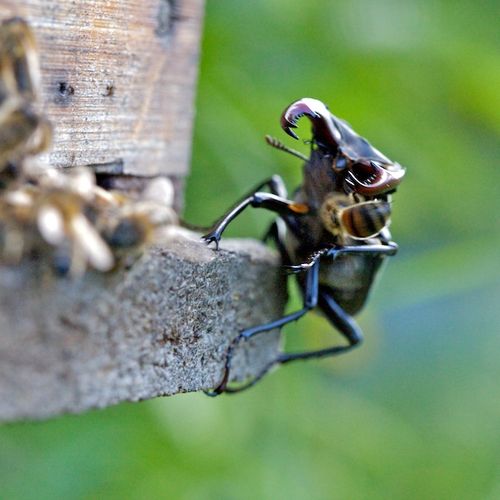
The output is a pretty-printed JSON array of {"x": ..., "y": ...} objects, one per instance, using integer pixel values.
[{"x": 415, "y": 413}]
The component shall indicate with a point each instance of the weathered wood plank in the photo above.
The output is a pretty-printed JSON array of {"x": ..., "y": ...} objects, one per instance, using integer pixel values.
[{"x": 118, "y": 80}]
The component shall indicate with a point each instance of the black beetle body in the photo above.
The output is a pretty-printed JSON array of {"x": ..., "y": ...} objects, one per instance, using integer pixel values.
[{"x": 333, "y": 233}]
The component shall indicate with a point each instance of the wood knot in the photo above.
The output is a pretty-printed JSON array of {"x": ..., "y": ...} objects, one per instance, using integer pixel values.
[
  {"x": 65, "y": 89},
  {"x": 168, "y": 15},
  {"x": 65, "y": 92},
  {"x": 110, "y": 90}
]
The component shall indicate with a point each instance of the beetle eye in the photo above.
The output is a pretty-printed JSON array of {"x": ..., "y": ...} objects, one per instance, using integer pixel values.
[{"x": 340, "y": 163}]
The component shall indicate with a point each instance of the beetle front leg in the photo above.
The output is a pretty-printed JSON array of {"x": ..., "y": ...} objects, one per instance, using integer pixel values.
[
  {"x": 310, "y": 302},
  {"x": 275, "y": 201}
]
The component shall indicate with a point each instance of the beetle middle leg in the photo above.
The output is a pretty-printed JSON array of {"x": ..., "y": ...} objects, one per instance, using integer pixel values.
[
  {"x": 387, "y": 248},
  {"x": 275, "y": 201}
]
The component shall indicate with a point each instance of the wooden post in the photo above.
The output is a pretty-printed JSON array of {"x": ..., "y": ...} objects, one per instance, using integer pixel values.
[{"x": 119, "y": 78}]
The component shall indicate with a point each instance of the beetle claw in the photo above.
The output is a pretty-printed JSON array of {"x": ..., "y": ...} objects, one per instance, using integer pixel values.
[
  {"x": 288, "y": 129},
  {"x": 211, "y": 238},
  {"x": 320, "y": 116}
]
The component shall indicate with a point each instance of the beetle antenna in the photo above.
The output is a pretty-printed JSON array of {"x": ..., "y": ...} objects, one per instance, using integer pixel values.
[{"x": 275, "y": 143}]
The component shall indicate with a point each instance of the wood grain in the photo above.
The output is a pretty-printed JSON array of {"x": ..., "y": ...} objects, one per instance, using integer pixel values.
[{"x": 118, "y": 80}]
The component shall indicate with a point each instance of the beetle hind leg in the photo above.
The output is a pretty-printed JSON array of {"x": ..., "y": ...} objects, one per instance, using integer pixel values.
[
  {"x": 310, "y": 302},
  {"x": 342, "y": 321},
  {"x": 244, "y": 336}
]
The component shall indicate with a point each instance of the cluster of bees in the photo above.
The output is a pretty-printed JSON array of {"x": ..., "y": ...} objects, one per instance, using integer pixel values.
[{"x": 62, "y": 215}]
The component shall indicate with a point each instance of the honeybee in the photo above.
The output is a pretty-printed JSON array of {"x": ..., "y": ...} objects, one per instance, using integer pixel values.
[
  {"x": 344, "y": 216},
  {"x": 128, "y": 224},
  {"x": 54, "y": 212},
  {"x": 24, "y": 131}
]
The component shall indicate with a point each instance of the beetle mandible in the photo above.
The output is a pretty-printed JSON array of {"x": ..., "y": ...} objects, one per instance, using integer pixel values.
[{"x": 332, "y": 233}]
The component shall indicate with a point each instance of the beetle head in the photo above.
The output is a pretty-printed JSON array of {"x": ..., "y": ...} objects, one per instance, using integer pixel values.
[{"x": 365, "y": 170}]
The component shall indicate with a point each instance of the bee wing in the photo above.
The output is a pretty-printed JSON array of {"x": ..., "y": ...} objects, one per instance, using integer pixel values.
[
  {"x": 105, "y": 198},
  {"x": 50, "y": 223},
  {"x": 19, "y": 63},
  {"x": 88, "y": 239},
  {"x": 18, "y": 198},
  {"x": 159, "y": 190},
  {"x": 81, "y": 181},
  {"x": 152, "y": 212},
  {"x": 41, "y": 139},
  {"x": 13, "y": 243},
  {"x": 15, "y": 129}
]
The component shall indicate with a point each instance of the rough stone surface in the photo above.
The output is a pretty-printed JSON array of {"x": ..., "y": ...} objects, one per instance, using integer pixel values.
[{"x": 160, "y": 328}]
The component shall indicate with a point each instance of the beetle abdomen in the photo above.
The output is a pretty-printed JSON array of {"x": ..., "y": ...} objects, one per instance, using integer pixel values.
[{"x": 349, "y": 279}]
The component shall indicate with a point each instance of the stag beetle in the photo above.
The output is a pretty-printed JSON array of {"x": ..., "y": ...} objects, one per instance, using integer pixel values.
[{"x": 332, "y": 234}]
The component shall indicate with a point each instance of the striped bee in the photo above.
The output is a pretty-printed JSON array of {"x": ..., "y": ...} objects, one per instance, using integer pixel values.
[
  {"x": 345, "y": 217},
  {"x": 24, "y": 131}
]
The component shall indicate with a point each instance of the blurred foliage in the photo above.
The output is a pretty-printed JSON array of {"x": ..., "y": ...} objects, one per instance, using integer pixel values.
[{"x": 415, "y": 413}]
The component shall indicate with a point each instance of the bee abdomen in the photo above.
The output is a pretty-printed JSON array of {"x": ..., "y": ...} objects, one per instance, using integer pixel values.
[
  {"x": 16, "y": 129},
  {"x": 366, "y": 219}
]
